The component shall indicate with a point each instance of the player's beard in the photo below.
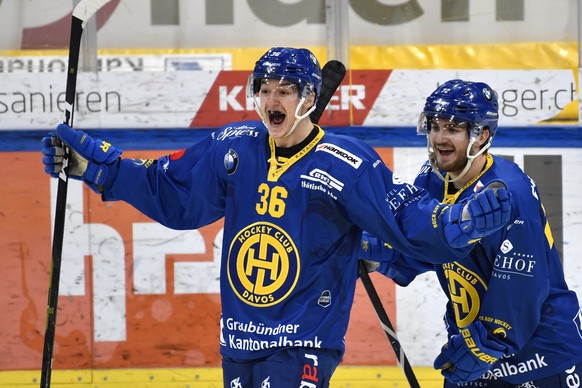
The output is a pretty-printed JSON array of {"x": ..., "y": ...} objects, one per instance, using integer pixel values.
[{"x": 454, "y": 166}]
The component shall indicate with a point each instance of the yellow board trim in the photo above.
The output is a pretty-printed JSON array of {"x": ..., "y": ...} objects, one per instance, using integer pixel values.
[
  {"x": 536, "y": 55},
  {"x": 345, "y": 377}
]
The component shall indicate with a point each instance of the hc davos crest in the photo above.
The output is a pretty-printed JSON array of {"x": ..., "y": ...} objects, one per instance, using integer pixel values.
[
  {"x": 263, "y": 264},
  {"x": 465, "y": 288}
]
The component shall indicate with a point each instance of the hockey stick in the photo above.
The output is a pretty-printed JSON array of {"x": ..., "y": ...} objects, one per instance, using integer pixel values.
[
  {"x": 332, "y": 75},
  {"x": 81, "y": 14},
  {"x": 387, "y": 326}
]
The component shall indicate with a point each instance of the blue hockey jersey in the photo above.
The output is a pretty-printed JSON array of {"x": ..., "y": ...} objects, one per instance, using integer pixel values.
[
  {"x": 291, "y": 227},
  {"x": 512, "y": 281}
]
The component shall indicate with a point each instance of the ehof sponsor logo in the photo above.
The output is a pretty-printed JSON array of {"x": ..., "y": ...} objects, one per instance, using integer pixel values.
[
  {"x": 517, "y": 263},
  {"x": 340, "y": 153}
]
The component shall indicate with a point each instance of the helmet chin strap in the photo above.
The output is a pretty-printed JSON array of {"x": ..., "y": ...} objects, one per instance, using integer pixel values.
[
  {"x": 298, "y": 117},
  {"x": 470, "y": 158}
]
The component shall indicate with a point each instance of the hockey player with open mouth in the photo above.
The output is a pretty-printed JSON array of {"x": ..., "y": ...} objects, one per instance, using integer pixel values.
[{"x": 295, "y": 200}]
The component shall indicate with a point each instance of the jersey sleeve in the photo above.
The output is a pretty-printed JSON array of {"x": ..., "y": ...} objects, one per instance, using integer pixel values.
[
  {"x": 181, "y": 191},
  {"x": 391, "y": 263},
  {"x": 401, "y": 214},
  {"x": 519, "y": 285}
]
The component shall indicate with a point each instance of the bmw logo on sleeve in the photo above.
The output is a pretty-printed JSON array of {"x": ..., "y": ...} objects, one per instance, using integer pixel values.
[
  {"x": 263, "y": 264},
  {"x": 231, "y": 161}
]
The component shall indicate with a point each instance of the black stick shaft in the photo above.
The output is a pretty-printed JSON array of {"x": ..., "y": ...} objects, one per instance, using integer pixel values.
[
  {"x": 387, "y": 326},
  {"x": 332, "y": 75},
  {"x": 60, "y": 212}
]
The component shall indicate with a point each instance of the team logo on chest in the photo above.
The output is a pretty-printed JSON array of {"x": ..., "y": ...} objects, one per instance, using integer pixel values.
[{"x": 263, "y": 264}]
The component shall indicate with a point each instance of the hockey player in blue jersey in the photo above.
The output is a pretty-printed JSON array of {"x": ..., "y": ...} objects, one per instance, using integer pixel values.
[
  {"x": 294, "y": 200},
  {"x": 510, "y": 317}
]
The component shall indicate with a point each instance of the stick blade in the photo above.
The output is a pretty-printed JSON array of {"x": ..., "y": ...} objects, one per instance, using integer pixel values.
[
  {"x": 332, "y": 75},
  {"x": 87, "y": 8}
]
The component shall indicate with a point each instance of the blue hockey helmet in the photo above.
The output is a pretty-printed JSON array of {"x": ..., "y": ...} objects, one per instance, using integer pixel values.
[
  {"x": 473, "y": 103},
  {"x": 296, "y": 65},
  {"x": 469, "y": 104}
]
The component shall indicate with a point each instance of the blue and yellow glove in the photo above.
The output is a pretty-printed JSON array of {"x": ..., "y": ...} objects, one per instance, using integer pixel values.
[
  {"x": 469, "y": 354},
  {"x": 473, "y": 218},
  {"x": 90, "y": 160}
]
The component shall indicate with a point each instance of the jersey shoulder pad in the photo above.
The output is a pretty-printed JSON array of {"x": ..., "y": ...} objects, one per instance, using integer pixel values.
[
  {"x": 522, "y": 187},
  {"x": 424, "y": 171}
]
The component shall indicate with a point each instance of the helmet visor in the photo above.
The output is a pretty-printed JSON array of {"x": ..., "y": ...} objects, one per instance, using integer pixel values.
[
  {"x": 450, "y": 123},
  {"x": 279, "y": 87}
]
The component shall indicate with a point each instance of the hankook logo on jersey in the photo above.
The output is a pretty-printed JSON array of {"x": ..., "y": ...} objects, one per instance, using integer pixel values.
[
  {"x": 263, "y": 264},
  {"x": 464, "y": 290},
  {"x": 341, "y": 154}
]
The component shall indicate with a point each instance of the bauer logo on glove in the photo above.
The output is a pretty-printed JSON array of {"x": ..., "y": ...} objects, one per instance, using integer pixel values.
[{"x": 89, "y": 159}]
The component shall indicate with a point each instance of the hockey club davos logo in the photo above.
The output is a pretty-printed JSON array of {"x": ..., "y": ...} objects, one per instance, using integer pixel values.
[
  {"x": 263, "y": 264},
  {"x": 465, "y": 288},
  {"x": 340, "y": 153},
  {"x": 231, "y": 161}
]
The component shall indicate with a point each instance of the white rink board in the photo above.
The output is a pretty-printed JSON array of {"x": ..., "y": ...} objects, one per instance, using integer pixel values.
[
  {"x": 172, "y": 99},
  {"x": 420, "y": 306}
]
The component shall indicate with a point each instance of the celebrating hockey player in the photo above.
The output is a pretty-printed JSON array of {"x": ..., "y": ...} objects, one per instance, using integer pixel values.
[
  {"x": 511, "y": 319},
  {"x": 294, "y": 200}
]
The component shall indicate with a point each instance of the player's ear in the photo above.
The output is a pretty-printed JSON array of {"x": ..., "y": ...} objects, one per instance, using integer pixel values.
[
  {"x": 485, "y": 133},
  {"x": 309, "y": 101}
]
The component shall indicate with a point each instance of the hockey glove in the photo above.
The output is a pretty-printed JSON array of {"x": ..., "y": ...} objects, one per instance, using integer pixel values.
[
  {"x": 483, "y": 214},
  {"x": 468, "y": 355},
  {"x": 376, "y": 255},
  {"x": 380, "y": 257},
  {"x": 89, "y": 159}
]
